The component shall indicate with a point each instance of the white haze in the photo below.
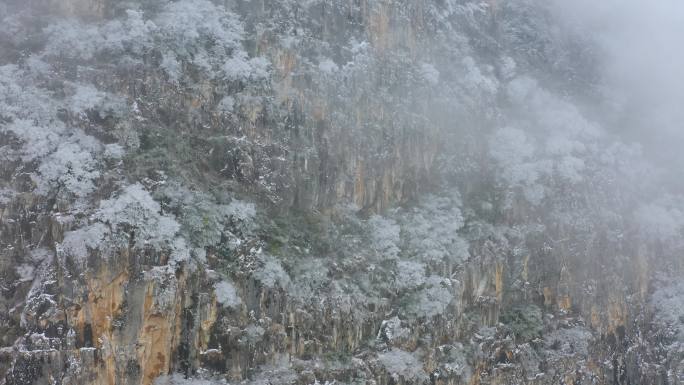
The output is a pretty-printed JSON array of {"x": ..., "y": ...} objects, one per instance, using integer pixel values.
[{"x": 642, "y": 63}]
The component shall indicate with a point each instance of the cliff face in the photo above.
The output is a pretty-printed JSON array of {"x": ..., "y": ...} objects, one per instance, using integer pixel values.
[{"x": 322, "y": 192}]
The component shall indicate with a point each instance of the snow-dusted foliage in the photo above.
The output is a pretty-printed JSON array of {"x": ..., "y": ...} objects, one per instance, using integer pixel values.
[
  {"x": 206, "y": 222},
  {"x": 317, "y": 191},
  {"x": 431, "y": 230},
  {"x": 79, "y": 243},
  {"x": 190, "y": 33},
  {"x": 226, "y": 294},
  {"x": 71, "y": 166},
  {"x": 403, "y": 365},
  {"x": 133, "y": 211},
  {"x": 391, "y": 331},
  {"x": 668, "y": 301},
  {"x": 131, "y": 217},
  {"x": 410, "y": 274},
  {"x": 568, "y": 341},
  {"x": 432, "y": 298},
  {"x": 385, "y": 236},
  {"x": 69, "y": 161},
  {"x": 550, "y": 141},
  {"x": 179, "y": 379},
  {"x": 513, "y": 151},
  {"x": 271, "y": 273},
  {"x": 36, "y": 141},
  {"x": 21, "y": 98}
]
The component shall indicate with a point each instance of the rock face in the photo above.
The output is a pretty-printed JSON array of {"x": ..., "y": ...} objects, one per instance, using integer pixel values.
[{"x": 300, "y": 192}]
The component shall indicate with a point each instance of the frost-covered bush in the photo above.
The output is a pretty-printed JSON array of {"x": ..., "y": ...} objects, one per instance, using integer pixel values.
[
  {"x": 80, "y": 242},
  {"x": 226, "y": 294},
  {"x": 403, "y": 365},
  {"x": 550, "y": 142},
  {"x": 432, "y": 298},
  {"x": 385, "y": 235},
  {"x": 37, "y": 141},
  {"x": 196, "y": 33},
  {"x": 271, "y": 273},
  {"x": 179, "y": 379},
  {"x": 20, "y": 99},
  {"x": 391, "y": 331},
  {"x": 206, "y": 222},
  {"x": 72, "y": 166},
  {"x": 515, "y": 154},
  {"x": 85, "y": 97},
  {"x": 454, "y": 359},
  {"x": 481, "y": 85},
  {"x": 130, "y": 217},
  {"x": 69, "y": 39},
  {"x": 568, "y": 341},
  {"x": 312, "y": 277},
  {"x": 668, "y": 302},
  {"x": 431, "y": 230},
  {"x": 409, "y": 275},
  {"x": 135, "y": 209},
  {"x": 68, "y": 160}
]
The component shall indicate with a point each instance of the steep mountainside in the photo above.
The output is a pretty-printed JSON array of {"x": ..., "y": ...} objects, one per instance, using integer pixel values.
[{"x": 325, "y": 191}]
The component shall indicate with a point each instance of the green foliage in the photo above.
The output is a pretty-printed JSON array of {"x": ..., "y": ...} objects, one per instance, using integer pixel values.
[
  {"x": 298, "y": 232},
  {"x": 524, "y": 321}
]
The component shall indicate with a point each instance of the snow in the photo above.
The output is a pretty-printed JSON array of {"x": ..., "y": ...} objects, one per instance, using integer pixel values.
[
  {"x": 171, "y": 66},
  {"x": 658, "y": 221},
  {"x": 403, "y": 364},
  {"x": 327, "y": 66},
  {"x": 72, "y": 166},
  {"x": 85, "y": 97},
  {"x": 568, "y": 341},
  {"x": 134, "y": 207},
  {"x": 548, "y": 140},
  {"x": 541, "y": 146},
  {"x": 130, "y": 213},
  {"x": 240, "y": 67},
  {"x": 431, "y": 230},
  {"x": 113, "y": 151},
  {"x": 433, "y": 299},
  {"x": 514, "y": 153},
  {"x": 205, "y": 222},
  {"x": 385, "y": 236},
  {"x": 392, "y": 331},
  {"x": 668, "y": 301},
  {"x": 6, "y": 195},
  {"x": 25, "y": 272},
  {"x": 226, "y": 294},
  {"x": 69, "y": 160},
  {"x": 476, "y": 81},
  {"x": 179, "y": 379},
  {"x": 410, "y": 274},
  {"x": 227, "y": 104},
  {"x": 38, "y": 141},
  {"x": 198, "y": 32},
  {"x": 78, "y": 243},
  {"x": 186, "y": 21},
  {"x": 271, "y": 273},
  {"x": 429, "y": 73},
  {"x": 180, "y": 252},
  {"x": 240, "y": 210},
  {"x": 508, "y": 67}
]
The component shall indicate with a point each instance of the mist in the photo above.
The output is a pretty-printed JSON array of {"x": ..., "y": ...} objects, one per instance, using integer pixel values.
[
  {"x": 642, "y": 67},
  {"x": 308, "y": 192}
]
